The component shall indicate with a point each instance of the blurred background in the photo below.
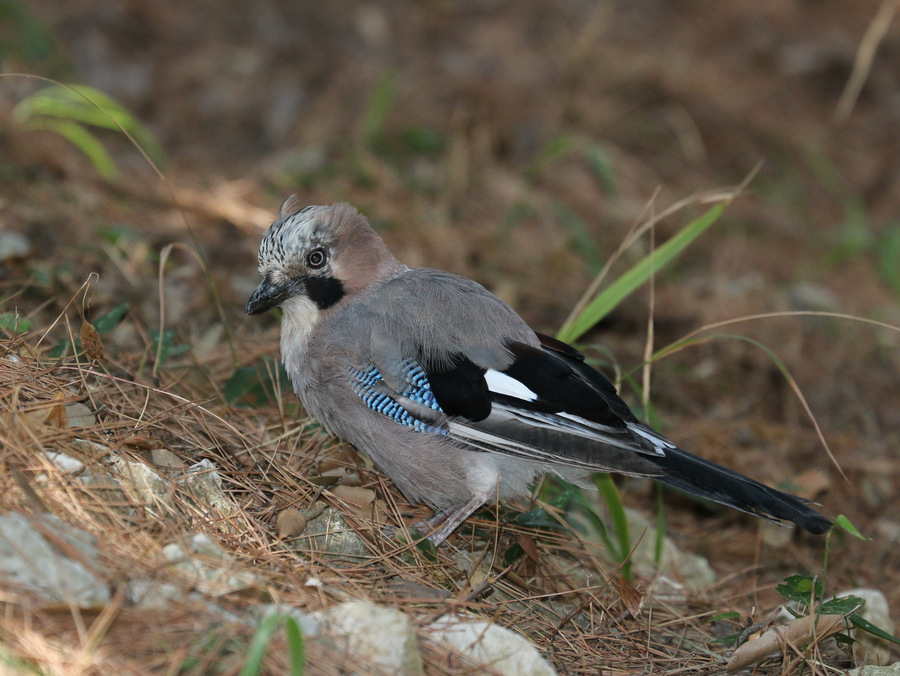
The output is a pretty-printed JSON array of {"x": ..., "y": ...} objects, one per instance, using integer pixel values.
[{"x": 516, "y": 143}]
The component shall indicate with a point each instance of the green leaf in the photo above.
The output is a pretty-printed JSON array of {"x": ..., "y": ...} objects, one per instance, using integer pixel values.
[
  {"x": 537, "y": 518},
  {"x": 888, "y": 253},
  {"x": 107, "y": 322},
  {"x": 12, "y": 322},
  {"x": 513, "y": 554},
  {"x": 26, "y": 36},
  {"x": 424, "y": 140},
  {"x": 581, "y": 238},
  {"x": 163, "y": 347},
  {"x": 559, "y": 493},
  {"x": 868, "y": 627},
  {"x": 602, "y": 167},
  {"x": 802, "y": 589},
  {"x": 842, "y": 605},
  {"x": 845, "y": 524},
  {"x": 733, "y": 615},
  {"x": 59, "y": 349},
  {"x": 616, "y": 292}
]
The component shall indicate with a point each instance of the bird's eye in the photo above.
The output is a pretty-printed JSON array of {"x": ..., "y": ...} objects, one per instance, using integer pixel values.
[{"x": 315, "y": 258}]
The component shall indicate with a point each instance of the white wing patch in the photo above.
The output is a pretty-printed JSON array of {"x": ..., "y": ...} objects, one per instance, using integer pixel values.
[
  {"x": 658, "y": 442},
  {"x": 500, "y": 383}
]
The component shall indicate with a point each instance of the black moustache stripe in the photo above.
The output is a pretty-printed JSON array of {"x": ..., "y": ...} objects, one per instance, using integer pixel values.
[{"x": 324, "y": 291}]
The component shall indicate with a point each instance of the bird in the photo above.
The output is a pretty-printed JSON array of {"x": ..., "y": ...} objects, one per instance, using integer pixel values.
[{"x": 448, "y": 390}]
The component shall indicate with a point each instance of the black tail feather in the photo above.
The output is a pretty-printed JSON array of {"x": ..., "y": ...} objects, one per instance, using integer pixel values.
[{"x": 706, "y": 479}]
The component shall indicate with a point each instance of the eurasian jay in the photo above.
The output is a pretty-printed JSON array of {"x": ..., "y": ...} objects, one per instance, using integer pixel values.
[{"x": 448, "y": 390}]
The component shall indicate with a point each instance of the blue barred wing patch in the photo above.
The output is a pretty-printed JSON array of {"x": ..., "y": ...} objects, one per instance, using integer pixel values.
[{"x": 369, "y": 386}]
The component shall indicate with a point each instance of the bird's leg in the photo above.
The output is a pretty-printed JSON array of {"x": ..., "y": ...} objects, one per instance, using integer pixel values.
[{"x": 452, "y": 518}]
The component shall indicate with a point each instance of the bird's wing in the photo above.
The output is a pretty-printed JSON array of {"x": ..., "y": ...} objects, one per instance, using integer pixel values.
[
  {"x": 466, "y": 366},
  {"x": 548, "y": 406}
]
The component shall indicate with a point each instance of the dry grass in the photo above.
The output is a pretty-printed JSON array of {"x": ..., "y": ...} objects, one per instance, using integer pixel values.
[{"x": 560, "y": 594}]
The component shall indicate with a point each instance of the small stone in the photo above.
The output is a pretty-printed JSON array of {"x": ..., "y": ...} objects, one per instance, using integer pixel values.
[
  {"x": 163, "y": 457},
  {"x": 148, "y": 487},
  {"x": 331, "y": 534},
  {"x": 80, "y": 415},
  {"x": 13, "y": 245},
  {"x": 872, "y": 649},
  {"x": 490, "y": 645},
  {"x": 381, "y": 635},
  {"x": 66, "y": 464},
  {"x": 870, "y": 670}
]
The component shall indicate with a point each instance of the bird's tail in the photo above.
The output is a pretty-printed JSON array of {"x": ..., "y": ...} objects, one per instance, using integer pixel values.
[{"x": 706, "y": 479}]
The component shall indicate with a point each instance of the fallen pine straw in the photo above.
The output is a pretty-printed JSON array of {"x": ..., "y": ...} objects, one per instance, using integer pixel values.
[{"x": 559, "y": 595}]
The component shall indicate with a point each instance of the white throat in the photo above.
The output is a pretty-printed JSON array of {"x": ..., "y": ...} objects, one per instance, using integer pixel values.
[{"x": 299, "y": 316}]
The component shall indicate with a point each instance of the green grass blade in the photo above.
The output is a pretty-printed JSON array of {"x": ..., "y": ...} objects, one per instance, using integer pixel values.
[
  {"x": 600, "y": 306},
  {"x": 82, "y": 139},
  {"x": 602, "y": 168},
  {"x": 610, "y": 494},
  {"x": 86, "y": 105},
  {"x": 381, "y": 102},
  {"x": 296, "y": 646},
  {"x": 260, "y": 644}
]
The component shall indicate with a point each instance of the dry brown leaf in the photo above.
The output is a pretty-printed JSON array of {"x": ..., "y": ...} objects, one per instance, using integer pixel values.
[
  {"x": 90, "y": 341},
  {"x": 630, "y": 597},
  {"x": 141, "y": 443},
  {"x": 359, "y": 498},
  {"x": 776, "y": 640},
  {"x": 53, "y": 415},
  {"x": 526, "y": 542},
  {"x": 290, "y": 522}
]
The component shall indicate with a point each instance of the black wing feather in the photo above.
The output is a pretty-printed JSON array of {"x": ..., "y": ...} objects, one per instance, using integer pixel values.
[
  {"x": 608, "y": 438},
  {"x": 459, "y": 387}
]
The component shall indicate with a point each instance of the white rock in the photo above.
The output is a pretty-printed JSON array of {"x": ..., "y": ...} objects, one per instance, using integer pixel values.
[
  {"x": 203, "y": 564},
  {"x": 13, "y": 245},
  {"x": 870, "y": 670},
  {"x": 204, "y": 483},
  {"x": 682, "y": 570},
  {"x": 379, "y": 634},
  {"x": 491, "y": 645},
  {"x": 66, "y": 464},
  {"x": 872, "y": 649},
  {"x": 148, "y": 487},
  {"x": 29, "y": 559}
]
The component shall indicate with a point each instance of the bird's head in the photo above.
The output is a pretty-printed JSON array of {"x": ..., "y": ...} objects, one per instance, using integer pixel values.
[{"x": 319, "y": 256}]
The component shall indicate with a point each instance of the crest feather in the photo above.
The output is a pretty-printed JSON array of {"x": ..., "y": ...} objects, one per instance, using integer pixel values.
[{"x": 289, "y": 207}]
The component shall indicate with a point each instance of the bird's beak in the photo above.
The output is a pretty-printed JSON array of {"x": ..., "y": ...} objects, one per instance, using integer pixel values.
[{"x": 267, "y": 296}]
